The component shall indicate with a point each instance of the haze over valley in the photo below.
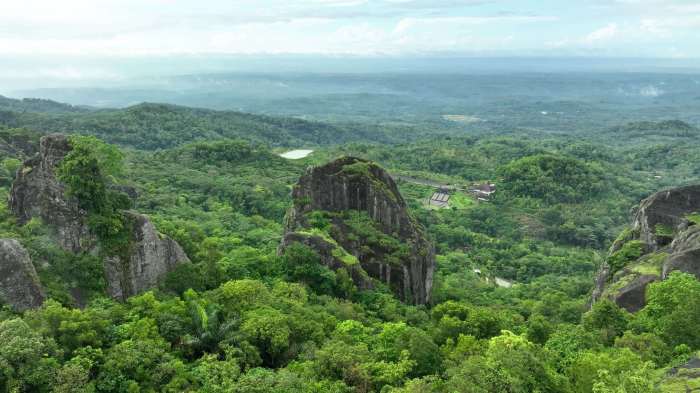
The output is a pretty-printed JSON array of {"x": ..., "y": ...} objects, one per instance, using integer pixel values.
[{"x": 350, "y": 196}]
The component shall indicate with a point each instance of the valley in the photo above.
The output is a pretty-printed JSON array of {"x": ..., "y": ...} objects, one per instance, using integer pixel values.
[{"x": 206, "y": 247}]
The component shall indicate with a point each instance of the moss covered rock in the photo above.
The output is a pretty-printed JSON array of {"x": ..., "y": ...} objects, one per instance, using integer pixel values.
[
  {"x": 37, "y": 193},
  {"x": 664, "y": 237},
  {"x": 683, "y": 379},
  {"x": 358, "y": 205}
]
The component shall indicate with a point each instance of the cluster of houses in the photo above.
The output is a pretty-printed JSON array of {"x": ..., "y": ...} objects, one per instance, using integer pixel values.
[{"x": 480, "y": 191}]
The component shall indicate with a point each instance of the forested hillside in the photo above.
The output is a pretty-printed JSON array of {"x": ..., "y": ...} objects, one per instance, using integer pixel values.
[
  {"x": 510, "y": 306},
  {"x": 157, "y": 126}
]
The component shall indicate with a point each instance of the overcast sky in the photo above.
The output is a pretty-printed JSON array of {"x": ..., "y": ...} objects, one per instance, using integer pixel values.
[{"x": 630, "y": 28}]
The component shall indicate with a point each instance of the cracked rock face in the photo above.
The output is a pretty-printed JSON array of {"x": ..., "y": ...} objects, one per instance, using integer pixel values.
[
  {"x": 152, "y": 257},
  {"x": 325, "y": 250},
  {"x": 36, "y": 193},
  {"x": 665, "y": 209},
  {"x": 19, "y": 283},
  {"x": 353, "y": 184},
  {"x": 669, "y": 239}
]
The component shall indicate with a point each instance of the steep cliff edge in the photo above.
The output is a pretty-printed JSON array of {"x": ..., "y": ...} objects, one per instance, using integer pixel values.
[
  {"x": 664, "y": 237},
  {"x": 19, "y": 283},
  {"x": 152, "y": 257},
  {"x": 37, "y": 193},
  {"x": 352, "y": 213}
]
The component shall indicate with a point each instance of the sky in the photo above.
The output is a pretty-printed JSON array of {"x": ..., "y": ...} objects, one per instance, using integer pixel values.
[
  {"x": 629, "y": 28},
  {"x": 59, "y": 43}
]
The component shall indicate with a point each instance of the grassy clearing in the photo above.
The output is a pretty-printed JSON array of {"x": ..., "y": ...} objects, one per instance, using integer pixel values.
[{"x": 461, "y": 201}]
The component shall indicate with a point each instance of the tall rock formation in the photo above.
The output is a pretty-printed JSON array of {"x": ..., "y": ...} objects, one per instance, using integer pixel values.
[
  {"x": 19, "y": 283},
  {"x": 352, "y": 213},
  {"x": 664, "y": 237},
  {"x": 152, "y": 257},
  {"x": 36, "y": 193}
]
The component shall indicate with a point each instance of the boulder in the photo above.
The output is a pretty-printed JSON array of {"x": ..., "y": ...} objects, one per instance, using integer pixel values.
[
  {"x": 353, "y": 184},
  {"x": 37, "y": 193},
  {"x": 19, "y": 283},
  {"x": 665, "y": 210},
  {"x": 685, "y": 253},
  {"x": 669, "y": 239},
  {"x": 152, "y": 257},
  {"x": 632, "y": 297},
  {"x": 684, "y": 378}
]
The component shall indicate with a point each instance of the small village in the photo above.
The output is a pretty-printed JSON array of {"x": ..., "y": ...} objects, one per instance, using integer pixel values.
[{"x": 479, "y": 192}]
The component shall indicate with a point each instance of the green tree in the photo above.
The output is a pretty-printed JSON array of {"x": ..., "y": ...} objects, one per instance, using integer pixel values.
[
  {"x": 673, "y": 309},
  {"x": 301, "y": 263},
  {"x": 210, "y": 326},
  {"x": 605, "y": 316},
  {"x": 27, "y": 360},
  {"x": 647, "y": 345},
  {"x": 552, "y": 178},
  {"x": 71, "y": 328},
  {"x": 396, "y": 338},
  {"x": 511, "y": 364},
  {"x": 88, "y": 171},
  {"x": 268, "y": 329},
  {"x": 215, "y": 375},
  {"x": 613, "y": 370}
]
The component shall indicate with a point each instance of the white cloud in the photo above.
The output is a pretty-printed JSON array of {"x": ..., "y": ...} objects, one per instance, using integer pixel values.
[
  {"x": 146, "y": 27},
  {"x": 407, "y": 24},
  {"x": 655, "y": 27},
  {"x": 603, "y": 34}
]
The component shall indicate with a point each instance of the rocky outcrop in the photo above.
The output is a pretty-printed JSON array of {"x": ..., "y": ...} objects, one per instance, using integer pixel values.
[
  {"x": 18, "y": 143},
  {"x": 354, "y": 185},
  {"x": 666, "y": 234},
  {"x": 152, "y": 257},
  {"x": 663, "y": 212},
  {"x": 684, "y": 378},
  {"x": 19, "y": 283},
  {"x": 332, "y": 255},
  {"x": 36, "y": 193}
]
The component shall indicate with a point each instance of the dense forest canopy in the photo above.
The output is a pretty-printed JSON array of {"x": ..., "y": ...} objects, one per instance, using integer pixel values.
[{"x": 510, "y": 307}]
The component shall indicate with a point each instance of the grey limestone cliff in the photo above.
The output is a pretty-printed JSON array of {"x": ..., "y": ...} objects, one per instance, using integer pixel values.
[
  {"x": 665, "y": 233},
  {"x": 36, "y": 193},
  {"x": 352, "y": 184},
  {"x": 19, "y": 283}
]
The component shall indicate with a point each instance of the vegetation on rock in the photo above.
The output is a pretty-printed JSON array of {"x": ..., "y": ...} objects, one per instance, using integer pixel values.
[{"x": 241, "y": 318}]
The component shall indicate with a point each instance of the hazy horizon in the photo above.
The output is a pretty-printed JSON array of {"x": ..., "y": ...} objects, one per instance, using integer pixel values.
[
  {"x": 23, "y": 73},
  {"x": 81, "y": 43}
]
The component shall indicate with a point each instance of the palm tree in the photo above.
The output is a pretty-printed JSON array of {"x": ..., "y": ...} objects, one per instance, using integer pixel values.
[{"x": 210, "y": 328}]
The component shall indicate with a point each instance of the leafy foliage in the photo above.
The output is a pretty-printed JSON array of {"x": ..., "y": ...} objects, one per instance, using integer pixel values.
[
  {"x": 552, "y": 178},
  {"x": 241, "y": 318}
]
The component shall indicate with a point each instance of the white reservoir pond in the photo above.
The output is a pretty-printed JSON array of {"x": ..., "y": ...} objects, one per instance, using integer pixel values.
[{"x": 296, "y": 154}]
